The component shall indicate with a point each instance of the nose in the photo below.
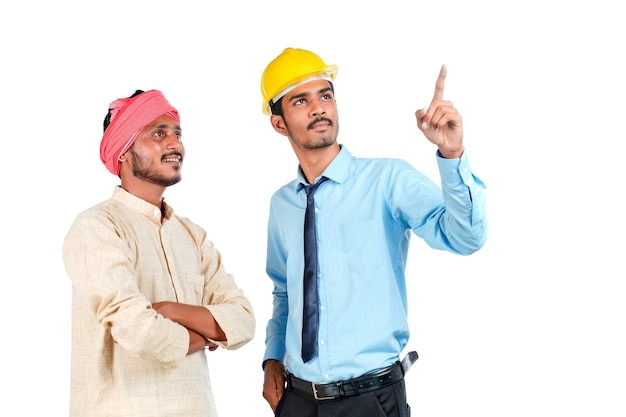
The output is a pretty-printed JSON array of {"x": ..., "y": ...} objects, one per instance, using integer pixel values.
[
  {"x": 317, "y": 108},
  {"x": 174, "y": 142}
]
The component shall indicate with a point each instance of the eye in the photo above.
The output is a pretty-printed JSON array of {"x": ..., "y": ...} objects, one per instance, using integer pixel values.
[{"x": 327, "y": 97}]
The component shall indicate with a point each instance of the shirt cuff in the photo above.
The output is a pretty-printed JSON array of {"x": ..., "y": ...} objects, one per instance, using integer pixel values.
[{"x": 455, "y": 171}]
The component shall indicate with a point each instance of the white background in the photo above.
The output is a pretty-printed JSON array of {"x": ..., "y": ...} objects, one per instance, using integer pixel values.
[{"x": 533, "y": 324}]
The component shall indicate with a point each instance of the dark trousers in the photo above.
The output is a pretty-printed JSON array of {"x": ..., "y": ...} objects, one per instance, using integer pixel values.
[{"x": 389, "y": 401}]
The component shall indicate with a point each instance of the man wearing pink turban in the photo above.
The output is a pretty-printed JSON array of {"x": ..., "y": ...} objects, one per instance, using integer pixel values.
[
  {"x": 125, "y": 120},
  {"x": 151, "y": 295}
]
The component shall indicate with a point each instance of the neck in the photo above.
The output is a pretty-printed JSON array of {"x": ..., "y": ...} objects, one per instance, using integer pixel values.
[{"x": 313, "y": 162}]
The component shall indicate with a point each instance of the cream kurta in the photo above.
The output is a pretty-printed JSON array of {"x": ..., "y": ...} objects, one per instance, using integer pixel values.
[{"x": 121, "y": 258}]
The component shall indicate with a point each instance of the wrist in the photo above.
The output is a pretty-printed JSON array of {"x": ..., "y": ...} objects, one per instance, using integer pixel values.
[{"x": 448, "y": 154}]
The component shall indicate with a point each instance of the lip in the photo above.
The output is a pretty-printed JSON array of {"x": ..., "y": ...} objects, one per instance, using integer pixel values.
[
  {"x": 173, "y": 159},
  {"x": 322, "y": 124}
]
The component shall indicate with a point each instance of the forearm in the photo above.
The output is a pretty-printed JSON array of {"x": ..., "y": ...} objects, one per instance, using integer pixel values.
[{"x": 197, "y": 319}]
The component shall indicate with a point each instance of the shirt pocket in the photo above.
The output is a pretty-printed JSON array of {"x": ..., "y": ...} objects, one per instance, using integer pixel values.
[
  {"x": 360, "y": 250},
  {"x": 193, "y": 288}
]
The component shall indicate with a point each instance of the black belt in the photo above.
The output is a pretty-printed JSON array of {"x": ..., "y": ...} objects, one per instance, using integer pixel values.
[{"x": 368, "y": 382}]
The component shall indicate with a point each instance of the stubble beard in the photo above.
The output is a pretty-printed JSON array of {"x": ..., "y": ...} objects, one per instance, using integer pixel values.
[
  {"x": 150, "y": 175},
  {"x": 322, "y": 142}
]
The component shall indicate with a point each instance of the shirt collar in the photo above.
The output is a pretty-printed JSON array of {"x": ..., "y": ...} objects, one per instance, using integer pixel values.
[{"x": 336, "y": 171}]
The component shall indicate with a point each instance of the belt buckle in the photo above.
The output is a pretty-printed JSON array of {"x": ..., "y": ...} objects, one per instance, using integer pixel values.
[{"x": 314, "y": 388}]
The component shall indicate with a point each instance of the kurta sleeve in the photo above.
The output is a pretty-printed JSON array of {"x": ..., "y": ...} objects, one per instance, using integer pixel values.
[
  {"x": 225, "y": 300},
  {"x": 100, "y": 263}
]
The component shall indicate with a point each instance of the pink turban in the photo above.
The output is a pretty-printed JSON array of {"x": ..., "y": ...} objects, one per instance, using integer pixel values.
[{"x": 128, "y": 118}]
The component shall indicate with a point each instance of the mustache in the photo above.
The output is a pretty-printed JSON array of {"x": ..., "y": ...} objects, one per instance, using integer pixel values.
[
  {"x": 317, "y": 120},
  {"x": 175, "y": 153}
]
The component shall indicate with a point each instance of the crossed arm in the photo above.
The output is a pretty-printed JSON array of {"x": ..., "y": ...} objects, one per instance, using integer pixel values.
[{"x": 198, "y": 321}]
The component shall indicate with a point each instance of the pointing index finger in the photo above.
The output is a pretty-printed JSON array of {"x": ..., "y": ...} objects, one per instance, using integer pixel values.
[{"x": 440, "y": 82}]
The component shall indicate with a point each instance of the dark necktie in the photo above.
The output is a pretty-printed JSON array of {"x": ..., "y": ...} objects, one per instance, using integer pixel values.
[{"x": 310, "y": 314}]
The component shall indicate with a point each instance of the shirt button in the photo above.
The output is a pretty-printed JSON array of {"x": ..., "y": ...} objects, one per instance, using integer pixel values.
[
  {"x": 454, "y": 171},
  {"x": 326, "y": 376},
  {"x": 157, "y": 212},
  {"x": 322, "y": 308},
  {"x": 322, "y": 342},
  {"x": 316, "y": 209}
]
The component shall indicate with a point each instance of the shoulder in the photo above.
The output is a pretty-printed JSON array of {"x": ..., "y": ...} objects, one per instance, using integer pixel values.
[
  {"x": 192, "y": 229},
  {"x": 286, "y": 191},
  {"x": 382, "y": 165},
  {"x": 93, "y": 224},
  {"x": 188, "y": 223},
  {"x": 103, "y": 211}
]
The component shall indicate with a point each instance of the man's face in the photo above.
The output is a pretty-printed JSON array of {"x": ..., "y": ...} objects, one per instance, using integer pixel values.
[
  {"x": 310, "y": 115},
  {"x": 157, "y": 154}
]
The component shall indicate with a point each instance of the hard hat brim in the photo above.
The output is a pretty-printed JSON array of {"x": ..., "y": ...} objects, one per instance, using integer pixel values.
[{"x": 330, "y": 71}]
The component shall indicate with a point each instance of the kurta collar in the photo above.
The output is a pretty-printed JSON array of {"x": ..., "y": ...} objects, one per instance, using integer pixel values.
[{"x": 142, "y": 206}]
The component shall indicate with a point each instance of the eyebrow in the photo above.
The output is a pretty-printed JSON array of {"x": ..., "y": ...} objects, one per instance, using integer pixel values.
[
  {"x": 165, "y": 125},
  {"x": 304, "y": 94}
]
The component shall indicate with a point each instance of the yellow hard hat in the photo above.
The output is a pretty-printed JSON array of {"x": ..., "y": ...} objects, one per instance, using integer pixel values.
[{"x": 289, "y": 68}]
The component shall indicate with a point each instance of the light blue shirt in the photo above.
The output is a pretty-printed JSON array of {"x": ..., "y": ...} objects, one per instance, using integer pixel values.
[{"x": 364, "y": 214}]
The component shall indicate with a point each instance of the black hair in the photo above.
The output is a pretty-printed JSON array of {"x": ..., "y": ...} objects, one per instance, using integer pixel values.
[
  {"x": 277, "y": 107},
  {"x": 107, "y": 118}
]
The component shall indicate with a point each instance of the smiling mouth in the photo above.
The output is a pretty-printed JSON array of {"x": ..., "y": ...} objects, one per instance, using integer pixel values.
[{"x": 173, "y": 158}]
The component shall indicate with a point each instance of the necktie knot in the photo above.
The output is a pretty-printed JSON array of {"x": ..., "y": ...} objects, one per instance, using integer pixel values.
[{"x": 311, "y": 188}]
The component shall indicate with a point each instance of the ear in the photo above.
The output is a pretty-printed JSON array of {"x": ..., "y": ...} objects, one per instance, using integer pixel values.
[
  {"x": 278, "y": 123},
  {"x": 124, "y": 164},
  {"x": 122, "y": 157}
]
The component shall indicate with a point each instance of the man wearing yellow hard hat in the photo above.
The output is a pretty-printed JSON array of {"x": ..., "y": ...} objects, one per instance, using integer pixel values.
[{"x": 338, "y": 238}]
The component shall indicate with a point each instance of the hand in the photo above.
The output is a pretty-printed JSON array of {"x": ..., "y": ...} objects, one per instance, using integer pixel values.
[
  {"x": 441, "y": 123},
  {"x": 273, "y": 382},
  {"x": 165, "y": 308}
]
